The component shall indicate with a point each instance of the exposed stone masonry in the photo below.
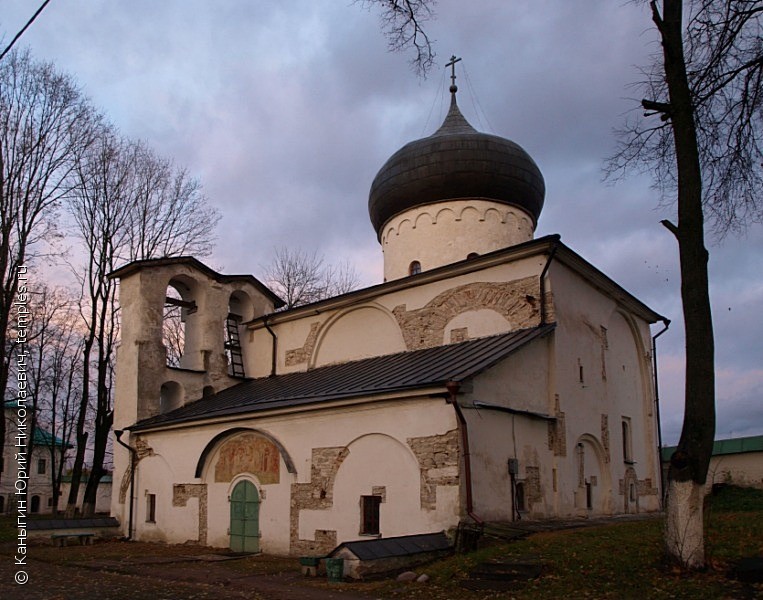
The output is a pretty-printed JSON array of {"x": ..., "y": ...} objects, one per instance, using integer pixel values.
[
  {"x": 142, "y": 450},
  {"x": 460, "y": 334},
  {"x": 646, "y": 487},
  {"x": 557, "y": 434},
  {"x": 438, "y": 464},
  {"x": 605, "y": 438},
  {"x": 516, "y": 301},
  {"x": 301, "y": 355},
  {"x": 182, "y": 492},
  {"x": 532, "y": 485},
  {"x": 380, "y": 490},
  {"x": 317, "y": 494}
]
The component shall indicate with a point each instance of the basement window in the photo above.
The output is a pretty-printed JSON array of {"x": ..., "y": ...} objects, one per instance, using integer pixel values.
[{"x": 369, "y": 514}]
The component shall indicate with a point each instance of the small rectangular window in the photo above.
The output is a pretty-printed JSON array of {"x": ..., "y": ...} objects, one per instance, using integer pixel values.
[
  {"x": 519, "y": 500},
  {"x": 627, "y": 444},
  {"x": 369, "y": 514},
  {"x": 41, "y": 466},
  {"x": 150, "y": 508}
]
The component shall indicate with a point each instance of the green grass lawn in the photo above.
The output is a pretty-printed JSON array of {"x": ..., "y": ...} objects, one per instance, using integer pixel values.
[{"x": 621, "y": 560}]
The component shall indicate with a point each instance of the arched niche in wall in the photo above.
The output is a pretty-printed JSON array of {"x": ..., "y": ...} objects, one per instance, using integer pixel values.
[
  {"x": 479, "y": 322},
  {"x": 171, "y": 396},
  {"x": 339, "y": 339},
  {"x": 395, "y": 484},
  {"x": 594, "y": 478},
  {"x": 230, "y": 434},
  {"x": 628, "y": 367}
]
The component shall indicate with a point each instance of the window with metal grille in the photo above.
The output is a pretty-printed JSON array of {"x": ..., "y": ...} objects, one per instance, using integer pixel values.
[{"x": 369, "y": 514}]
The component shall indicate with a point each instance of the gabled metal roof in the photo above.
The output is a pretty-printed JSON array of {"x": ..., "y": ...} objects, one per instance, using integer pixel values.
[
  {"x": 378, "y": 375},
  {"x": 396, "y": 546}
]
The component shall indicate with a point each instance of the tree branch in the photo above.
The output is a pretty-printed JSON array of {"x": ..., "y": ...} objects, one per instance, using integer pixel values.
[{"x": 670, "y": 227}]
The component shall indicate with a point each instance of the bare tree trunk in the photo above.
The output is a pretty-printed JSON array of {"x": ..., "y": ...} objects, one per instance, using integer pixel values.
[
  {"x": 43, "y": 123},
  {"x": 684, "y": 535},
  {"x": 128, "y": 205}
]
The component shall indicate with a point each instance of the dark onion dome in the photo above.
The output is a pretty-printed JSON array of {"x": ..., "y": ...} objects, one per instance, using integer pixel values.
[{"x": 456, "y": 161}]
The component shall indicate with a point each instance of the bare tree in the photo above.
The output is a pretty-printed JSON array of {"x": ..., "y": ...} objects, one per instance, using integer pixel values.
[
  {"x": 51, "y": 368},
  {"x": 100, "y": 208},
  {"x": 43, "y": 123},
  {"x": 58, "y": 406},
  {"x": 128, "y": 204},
  {"x": 169, "y": 214},
  {"x": 706, "y": 88},
  {"x": 402, "y": 22},
  {"x": 300, "y": 278}
]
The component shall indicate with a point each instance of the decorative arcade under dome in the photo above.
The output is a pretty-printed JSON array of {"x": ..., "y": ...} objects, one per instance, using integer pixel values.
[{"x": 453, "y": 195}]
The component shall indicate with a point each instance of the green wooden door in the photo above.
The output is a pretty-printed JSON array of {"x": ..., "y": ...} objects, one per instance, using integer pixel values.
[{"x": 245, "y": 518}]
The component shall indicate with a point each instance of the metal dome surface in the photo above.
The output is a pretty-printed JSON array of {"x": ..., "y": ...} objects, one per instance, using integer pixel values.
[{"x": 456, "y": 161}]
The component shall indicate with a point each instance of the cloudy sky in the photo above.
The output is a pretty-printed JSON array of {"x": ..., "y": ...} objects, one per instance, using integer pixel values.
[{"x": 286, "y": 110}]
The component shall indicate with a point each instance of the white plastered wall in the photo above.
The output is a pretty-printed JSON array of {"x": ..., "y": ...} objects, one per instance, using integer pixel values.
[
  {"x": 371, "y": 328},
  {"x": 519, "y": 382},
  {"x": 441, "y": 233},
  {"x": 376, "y": 435},
  {"x": 604, "y": 374},
  {"x": 744, "y": 469}
]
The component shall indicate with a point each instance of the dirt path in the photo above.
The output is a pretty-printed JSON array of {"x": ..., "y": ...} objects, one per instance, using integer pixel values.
[{"x": 154, "y": 572}]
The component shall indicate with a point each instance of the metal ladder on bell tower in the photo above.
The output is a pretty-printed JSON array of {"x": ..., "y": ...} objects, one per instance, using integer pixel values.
[{"x": 233, "y": 346}]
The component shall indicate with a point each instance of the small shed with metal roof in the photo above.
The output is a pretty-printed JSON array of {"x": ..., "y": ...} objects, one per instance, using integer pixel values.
[{"x": 366, "y": 558}]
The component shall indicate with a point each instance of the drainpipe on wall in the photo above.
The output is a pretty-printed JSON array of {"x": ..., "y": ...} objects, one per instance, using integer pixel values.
[
  {"x": 542, "y": 282},
  {"x": 133, "y": 453},
  {"x": 275, "y": 345},
  {"x": 657, "y": 409},
  {"x": 453, "y": 387}
]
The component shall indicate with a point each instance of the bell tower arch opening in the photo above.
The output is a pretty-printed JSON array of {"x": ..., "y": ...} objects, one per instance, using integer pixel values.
[
  {"x": 240, "y": 310},
  {"x": 180, "y": 334}
]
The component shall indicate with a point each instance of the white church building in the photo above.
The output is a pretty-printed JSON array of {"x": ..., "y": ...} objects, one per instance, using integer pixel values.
[{"x": 491, "y": 377}]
